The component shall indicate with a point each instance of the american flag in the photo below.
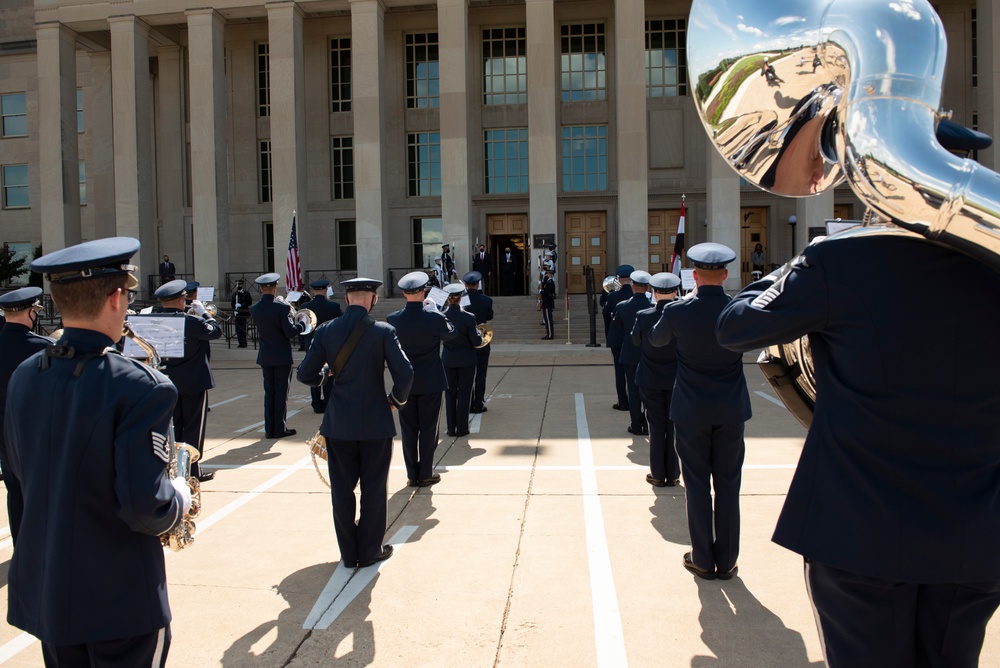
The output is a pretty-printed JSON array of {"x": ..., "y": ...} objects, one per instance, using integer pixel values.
[
  {"x": 292, "y": 280},
  {"x": 675, "y": 259}
]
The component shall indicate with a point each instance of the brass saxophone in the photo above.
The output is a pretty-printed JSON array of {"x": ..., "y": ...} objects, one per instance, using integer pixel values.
[{"x": 182, "y": 456}]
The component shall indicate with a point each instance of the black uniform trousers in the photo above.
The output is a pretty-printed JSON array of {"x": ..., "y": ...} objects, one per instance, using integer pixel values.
[
  {"x": 663, "y": 461},
  {"x": 620, "y": 383},
  {"x": 458, "y": 396},
  {"x": 712, "y": 456},
  {"x": 189, "y": 423},
  {"x": 321, "y": 395},
  {"x": 638, "y": 421},
  {"x": 148, "y": 650},
  {"x": 276, "y": 380},
  {"x": 240, "y": 322},
  {"x": 367, "y": 462},
  {"x": 550, "y": 328},
  {"x": 482, "y": 365},
  {"x": 867, "y": 622},
  {"x": 418, "y": 424}
]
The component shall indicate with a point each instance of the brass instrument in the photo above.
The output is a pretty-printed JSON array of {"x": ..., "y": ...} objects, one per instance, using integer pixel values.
[
  {"x": 182, "y": 456},
  {"x": 611, "y": 283},
  {"x": 486, "y": 332},
  {"x": 305, "y": 317}
]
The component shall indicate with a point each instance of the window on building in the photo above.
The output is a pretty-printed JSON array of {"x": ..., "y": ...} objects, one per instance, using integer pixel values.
[
  {"x": 585, "y": 157},
  {"x": 423, "y": 151},
  {"x": 347, "y": 245},
  {"x": 506, "y": 160},
  {"x": 428, "y": 235},
  {"x": 263, "y": 80},
  {"x": 264, "y": 168},
  {"x": 666, "y": 73},
  {"x": 505, "y": 66},
  {"x": 79, "y": 111},
  {"x": 340, "y": 74},
  {"x": 83, "y": 183},
  {"x": 14, "y": 114},
  {"x": 342, "y": 167},
  {"x": 15, "y": 187},
  {"x": 268, "y": 247},
  {"x": 584, "y": 63},
  {"x": 422, "y": 81}
]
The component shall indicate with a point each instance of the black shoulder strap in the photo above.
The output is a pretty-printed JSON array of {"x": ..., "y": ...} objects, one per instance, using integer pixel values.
[{"x": 352, "y": 342}]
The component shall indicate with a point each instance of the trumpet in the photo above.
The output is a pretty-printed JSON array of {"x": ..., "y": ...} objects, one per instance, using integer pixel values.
[
  {"x": 210, "y": 308},
  {"x": 486, "y": 332},
  {"x": 611, "y": 283},
  {"x": 305, "y": 317}
]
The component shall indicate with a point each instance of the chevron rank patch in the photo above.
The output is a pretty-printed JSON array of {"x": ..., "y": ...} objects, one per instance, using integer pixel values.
[{"x": 160, "y": 447}]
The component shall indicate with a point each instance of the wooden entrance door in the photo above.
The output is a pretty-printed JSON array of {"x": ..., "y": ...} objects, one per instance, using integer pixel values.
[
  {"x": 661, "y": 236},
  {"x": 753, "y": 231},
  {"x": 509, "y": 231},
  {"x": 586, "y": 246},
  {"x": 843, "y": 211}
]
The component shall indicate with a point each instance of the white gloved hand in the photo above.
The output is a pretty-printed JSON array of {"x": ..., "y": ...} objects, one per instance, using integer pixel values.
[
  {"x": 181, "y": 486},
  {"x": 198, "y": 308}
]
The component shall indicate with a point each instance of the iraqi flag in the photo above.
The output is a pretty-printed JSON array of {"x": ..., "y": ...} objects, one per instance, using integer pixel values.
[{"x": 675, "y": 259}]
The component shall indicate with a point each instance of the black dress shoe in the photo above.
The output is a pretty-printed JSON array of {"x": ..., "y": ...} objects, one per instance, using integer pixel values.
[
  {"x": 655, "y": 482},
  {"x": 412, "y": 482},
  {"x": 386, "y": 553},
  {"x": 672, "y": 483},
  {"x": 640, "y": 432},
  {"x": 620, "y": 407},
  {"x": 700, "y": 572},
  {"x": 206, "y": 476},
  {"x": 451, "y": 432},
  {"x": 285, "y": 434},
  {"x": 462, "y": 432},
  {"x": 433, "y": 480},
  {"x": 727, "y": 575},
  {"x": 482, "y": 409}
]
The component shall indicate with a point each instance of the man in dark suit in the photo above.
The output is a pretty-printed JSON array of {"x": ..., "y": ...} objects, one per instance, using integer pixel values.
[
  {"x": 17, "y": 343},
  {"x": 480, "y": 306},
  {"x": 459, "y": 359},
  {"x": 481, "y": 263},
  {"x": 87, "y": 439},
  {"x": 167, "y": 270},
  {"x": 622, "y": 323},
  {"x": 325, "y": 311},
  {"x": 616, "y": 338},
  {"x": 191, "y": 374},
  {"x": 655, "y": 377},
  {"x": 709, "y": 407},
  {"x": 241, "y": 302},
  {"x": 420, "y": 334},
  {"x": 894, "y": 503},
  {"x": 508, "y": 271},
  {"x": 358, "y": 425},
  {"x": 275, "y": 330},
  {"x": 448, "y": 262}
]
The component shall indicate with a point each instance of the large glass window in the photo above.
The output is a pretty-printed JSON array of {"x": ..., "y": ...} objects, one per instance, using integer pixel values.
[
  {"x": 584, "y": 65},
  {"x": 268, "y": 246},
  {"x": 422, "y": 81},
  {"x": 263, "y": 80},
  {"x": 342, "y": 167},
  {"x": 264, "y": 170},
  {"x": 14, "y": 114},
  {"x": 15, "y": 186},
  {"x": 340, "y": 74},
  {"x": 666, "y": 74},
  {"x": 506, "y": 160},
  {"x": 505, "y": 66},
  {"x": 347, "y": 245},
  {"x": 428, "y": 235},
  {"x": 585, "y": 157},
  {"x": 79, "y": 110},
  {"x": 424, "y": 163}
]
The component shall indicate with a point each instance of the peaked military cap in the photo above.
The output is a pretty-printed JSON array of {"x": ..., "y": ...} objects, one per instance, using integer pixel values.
[
  {"x": 472, "y": 278},
  {"x": 91, "y": 259},
  {"x": 454, "y": 289},
  {"x": 641, "y": 277},
  {"x": 268, "y": 279},
  {"x": 19, "y": 300},
  {"x": 664, "y": 282},
  {"x": 711, "y": 255},
  {"x": 192, "y": 288},
  {"x": 361, "y": 285},
  {"x": 171, "y": 290},
  {"x": 446, "y": 246},
  {"x": 413, "y": 281},
  {"x": 624, "y": 270},
  {"x": 320, "y": 284}
]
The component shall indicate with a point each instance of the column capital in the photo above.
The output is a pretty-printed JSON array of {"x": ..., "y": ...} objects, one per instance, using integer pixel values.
[
  {"x": 283, "y": 5},
  {"x": 360, "y": 5},
  {"x": 205, "y": 11},
  {"x": 128, "y": 19}
]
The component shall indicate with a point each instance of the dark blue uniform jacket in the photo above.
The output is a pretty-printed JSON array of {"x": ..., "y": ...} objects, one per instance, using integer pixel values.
[
  {"x": 324, "y": 309},
  {"x": 275, "y": 330},
  {"x": 420, "y": 334},
  {"x": 192, "y": 373},
  {"x": 480, "y": 306},
  {"x": 88, "y": 452},
  {"x": 614, "y": 299},
  {"x": 461, "y": 350},
  {"x": 657, "y": 364},
  {"x": 622, "y": 323},
  {"x": 899, "y": 477},
  {"x": 711, "y": 387},
  {"x": 358, "y": 409}
]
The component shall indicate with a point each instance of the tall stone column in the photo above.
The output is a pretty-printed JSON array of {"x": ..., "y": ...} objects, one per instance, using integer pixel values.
[
  {"x": 723, "y": 210},
  {"x": 97, "y": 112},
  {"x": 58, "y": 153},
  {"x": 543, "y": 132},
  {"x": 370, "y": 201},
  {"x": 209, "y": 148},
  {"x": 170, "y": 159},
  {"x": 456, "y": 199},
  {"x": 988, "y": 88},
  {"x": 631, "y": 132},
  {"x": 132, "y": 122},
  {"x": 288, "y": 126}
]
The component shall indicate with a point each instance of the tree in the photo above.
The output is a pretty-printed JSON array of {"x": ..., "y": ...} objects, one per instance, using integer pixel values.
[{"x": 10, "y": 267}]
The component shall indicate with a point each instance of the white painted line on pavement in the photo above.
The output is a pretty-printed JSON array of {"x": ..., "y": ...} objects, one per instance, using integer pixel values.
[
  {"x": 607, "y": 618},
  {"x": 769, "y": 397},
  {"x": 227, "y": 401},
  {"x": 5, "y": 531},
  {"x": 8, "y": 542},
  {"x": 341, "y": 574},
  {"x": 13, "y": 647},
  {"x": 477, "y": 419},
  {"x": 356, "y": 584}
]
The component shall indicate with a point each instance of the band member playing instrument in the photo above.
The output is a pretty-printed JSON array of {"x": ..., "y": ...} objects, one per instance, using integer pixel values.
[
  {"x": 241, "y": 303},
  {"x": 480, "y": 306},
  {"x": 459, "y": 360}
]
